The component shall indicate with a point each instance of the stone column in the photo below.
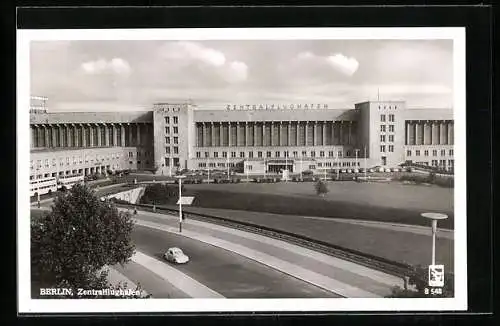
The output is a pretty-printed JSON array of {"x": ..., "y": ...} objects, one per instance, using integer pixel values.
[
  {"x": 341, "y": 133},
  {"x": 435, "y": 133},
  {"x": 306, "y": 132},
  {"x": 115, "y": 134},
  {"x": 247, "y": 134},
  {"x": 221, "y": 134},
  {"x": 416, "y": 133},
  {"x": 122, "y": 138},
  {"x": 229, "y": 135},
  {"x": 254, "y": 130},
  {"x": 407, "y": 131},
  {"x": 139, "y": 138},
  {"x": 130, "y": 134},
  {"x": 443, "y": 133},
  {"x": 99, "y": 135},
  {"x": 212, "y": 134},
  {"x": 323, "y": 131},
  {"x": 297, "y": 132},
  {"x": 450, "y": 133},
  {"x": 289, "y": 133},
  {"x": 106, "y": 135},
  {"x": 32, "y": 136}
]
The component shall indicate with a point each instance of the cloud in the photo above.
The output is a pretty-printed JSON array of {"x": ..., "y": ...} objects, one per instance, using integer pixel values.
[
  {"x": 338, "y": 61},
  {"x": 115, "y": 65},
  {"x": 210, "y": 59},
  {"x": 345, "y": 64}
]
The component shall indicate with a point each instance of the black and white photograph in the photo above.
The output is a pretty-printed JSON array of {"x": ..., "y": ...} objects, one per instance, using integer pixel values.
[{"x": 185, "y": 170}]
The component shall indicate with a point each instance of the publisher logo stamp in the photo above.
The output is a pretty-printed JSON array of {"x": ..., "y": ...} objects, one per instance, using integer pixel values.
[{"x": 436, "y": 275}]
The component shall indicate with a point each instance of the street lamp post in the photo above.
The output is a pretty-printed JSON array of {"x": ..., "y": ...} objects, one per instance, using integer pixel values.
[
  {"x": 434, "y": 217},
  {"x": 180, "y": 177},
  {"x": 356, "y": 152}
]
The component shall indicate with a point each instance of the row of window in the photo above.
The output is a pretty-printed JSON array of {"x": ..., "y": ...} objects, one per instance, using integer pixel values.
[
  {"x": 434, "y": 152},
  {"x": 391, "y": 117},
  {"x": 175, "y": 162},
  {"x": 389, "y": 148},
  {"x": 390, "y": 107},
  {"x": 175, "y": 120},
  {"x": 383, "y": 138},
  {"x": 79, "y": 159},
  {"x": 438, "y": 163},
  {"x": 167, "y": 130},
  {"x": 276, "y": 154},
  {"x": 175, "y": 150},
  {"x": 167, "y": 140},
  {"x": 383, "y": 128}
]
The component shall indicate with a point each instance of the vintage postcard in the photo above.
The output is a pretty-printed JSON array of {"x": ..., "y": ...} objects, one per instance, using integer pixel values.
[{"x": 229, "y": 170}]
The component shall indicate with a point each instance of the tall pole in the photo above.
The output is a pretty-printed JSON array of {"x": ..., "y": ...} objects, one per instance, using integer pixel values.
[
  {"x": 301, "y": 167},
  {"x": 180, "y": 205},
  {"x": 227, "y": 164},
  {"x": 356, "y": 151},
  {"x": 208, "y": 168},
  {"x": 338, "y": 165},
  {"x": 365, "y": 162},
  {"x": 434, "y": 227}
]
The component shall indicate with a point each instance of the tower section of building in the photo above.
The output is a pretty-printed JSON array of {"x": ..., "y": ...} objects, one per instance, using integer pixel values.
[{"x": 173, "y": 137}]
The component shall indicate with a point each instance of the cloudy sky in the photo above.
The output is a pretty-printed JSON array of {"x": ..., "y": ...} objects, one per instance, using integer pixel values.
[{"x": 131, "y": 75}]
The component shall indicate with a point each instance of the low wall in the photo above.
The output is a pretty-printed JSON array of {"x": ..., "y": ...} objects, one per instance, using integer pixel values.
[{"x": 132, "y": 196}]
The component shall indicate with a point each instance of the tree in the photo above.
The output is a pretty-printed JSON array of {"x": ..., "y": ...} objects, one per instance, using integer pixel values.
[
  {"x": 72, "y": 245},
  {"x": 418, "y": 279},
  {"x": 321, "y": 188}
]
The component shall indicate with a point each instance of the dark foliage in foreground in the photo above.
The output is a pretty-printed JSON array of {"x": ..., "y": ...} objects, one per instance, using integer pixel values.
[{"x": 72, "y": 245}]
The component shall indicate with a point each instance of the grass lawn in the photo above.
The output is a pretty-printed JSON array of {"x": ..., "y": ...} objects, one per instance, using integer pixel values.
[
  {"x": 369, "y": 201},
  {"x": 399, "y": 246}
]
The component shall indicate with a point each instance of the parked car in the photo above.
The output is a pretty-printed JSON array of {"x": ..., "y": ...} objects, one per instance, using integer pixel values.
[{"x": 175, "y": 255}]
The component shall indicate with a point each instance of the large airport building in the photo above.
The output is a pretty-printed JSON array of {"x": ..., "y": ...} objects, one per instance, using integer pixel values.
[{"x": 259, "y": 138}]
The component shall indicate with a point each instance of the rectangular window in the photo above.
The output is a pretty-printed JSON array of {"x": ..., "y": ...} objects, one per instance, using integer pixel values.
[
  {"x": 417, "y": 152},
  {"x": 295, "y": 153},
  {"x": 382, "y": 148},
  {"x": 176, "y": 150},
  {"x": 426, "y": 153},
  {"x": 233, "y": 154},
  {"x": 382, "y": 138},
  {"x": 304, "y": 153},
  {"x": 330, "y": 154},
  {"x": 268, "y": 154},
  {"x": 382, "y": 117},
  {"x": 167, "y": 140},
  {"x": 408, "y": 153},
  {"x": 176, "y": 140},
  {"x": 348, "y": 153},
  {"x": 67, "y": 161},
  {"x": 313, "y": 154},
  {"x": 277, "y": 154},
  {"x": 391, "y": 138},
  {"x": 312, "y": 167},
  {"x": 176, "y": 120},
  {"x": 339, "y": 154},
  {"x": 450, "y": 152},
  {"x": 206, "y": 154},
  {"x": 176, "y": 161},
  {"x": 216, "y": 154},
  {"x": 391, "y": 148},
  {"x": 167, "y": 130},
  {"x": 382, "y": 128},
  {"x": 321, "y": 154},
  {"x": 443, "y": 152},
  {"x": 167, "y": 150},
  {"x": 250, "y": 154},
  {"x": 176, "y": 130},
  {"x": 198, "y": 154},
  {"x": 391, "y": 117},
  {"x": 434, "y": 152},
  {"x": 224, "y": 154},
  {"x": 242, "y": 154},
  {"x": 259, "y": 154},
  {"x": 391, "y": 128},
  {"x": 286, "y": 154},
  {"x": 167, "y": 120},
  {"x": 320, "y": 164}
]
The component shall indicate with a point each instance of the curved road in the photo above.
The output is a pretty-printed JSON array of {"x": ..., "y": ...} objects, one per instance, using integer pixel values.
[{"x": 223, "y": 271}]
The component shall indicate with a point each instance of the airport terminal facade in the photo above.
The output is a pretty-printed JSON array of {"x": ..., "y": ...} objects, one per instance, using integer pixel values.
[{"x": 259, "y": 138}]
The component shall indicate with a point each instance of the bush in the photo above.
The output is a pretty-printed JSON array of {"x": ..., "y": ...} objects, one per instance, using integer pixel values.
[
  {"x": 321, "y": 188},
  {"x": 160, "y": 193}
]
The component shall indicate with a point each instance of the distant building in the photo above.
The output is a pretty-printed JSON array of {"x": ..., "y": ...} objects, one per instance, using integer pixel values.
[
  {"x": 257, "y": 138},
  {"x": 38, "y": 104}
]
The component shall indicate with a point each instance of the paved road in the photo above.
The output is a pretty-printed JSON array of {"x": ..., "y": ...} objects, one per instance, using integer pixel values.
[{"x": 225, "y": 272}]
